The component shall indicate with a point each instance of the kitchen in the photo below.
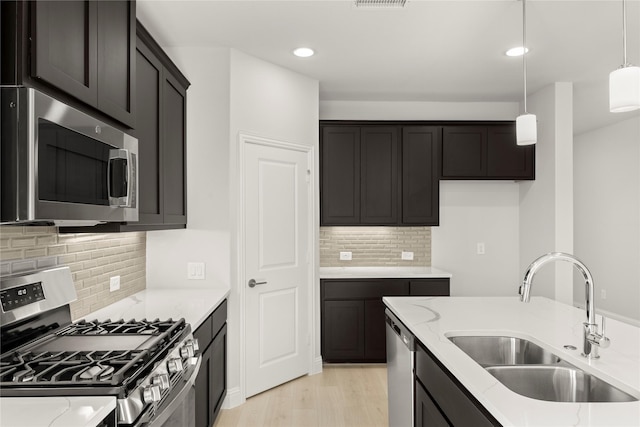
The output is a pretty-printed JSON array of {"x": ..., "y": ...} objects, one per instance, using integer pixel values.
[{"x": 232, "y": 93}]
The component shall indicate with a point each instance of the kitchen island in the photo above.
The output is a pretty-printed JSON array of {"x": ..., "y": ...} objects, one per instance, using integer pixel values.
[{"x": 548, "y": 323}]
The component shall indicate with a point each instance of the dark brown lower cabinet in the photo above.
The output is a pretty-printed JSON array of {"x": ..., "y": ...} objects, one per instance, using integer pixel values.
[
  {"x": 343, "y": 324},
  {"x": 426, "y": 412},
  {"x": 211, "y": 383},
  {"x": 352, "y": 315},
  {"x": 440, "y": 399}
]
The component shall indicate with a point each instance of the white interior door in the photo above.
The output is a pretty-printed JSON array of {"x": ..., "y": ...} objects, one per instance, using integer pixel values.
[{"x": 277, "y": 230}]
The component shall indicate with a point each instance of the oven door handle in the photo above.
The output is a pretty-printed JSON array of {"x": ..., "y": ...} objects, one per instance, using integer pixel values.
[{"x": 168, "y": 407}]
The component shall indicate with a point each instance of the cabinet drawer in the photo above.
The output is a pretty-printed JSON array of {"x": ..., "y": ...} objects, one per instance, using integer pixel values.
[
  {"x": 360, "y": 289},
  {"x": 210, "y": 327},
  {"x": 204, "y": 334},
  {"x": 429, "y": 287},
  {"x": 452, "y": 398},
  {"x": 219, "y": 318}
]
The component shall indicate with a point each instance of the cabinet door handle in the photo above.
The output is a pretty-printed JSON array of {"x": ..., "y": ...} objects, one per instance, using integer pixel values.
[{"x": 253, "y": 283}]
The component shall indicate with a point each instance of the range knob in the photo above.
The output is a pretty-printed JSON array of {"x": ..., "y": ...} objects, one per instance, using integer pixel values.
[
  {"x": 187, "y": 350},
  {"x": 194, "y": 343},
  {"x": 174, "y": 365},
  {"x": 161, "y": 381},
  {"x": 151, "y": 394}
]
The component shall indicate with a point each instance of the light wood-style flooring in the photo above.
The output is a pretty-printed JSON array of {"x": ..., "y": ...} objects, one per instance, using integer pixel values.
[{"x": 342, "y": 395}]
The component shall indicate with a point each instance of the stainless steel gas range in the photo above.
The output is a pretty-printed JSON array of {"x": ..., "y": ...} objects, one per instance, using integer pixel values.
[{"x": 149, "y": 366}]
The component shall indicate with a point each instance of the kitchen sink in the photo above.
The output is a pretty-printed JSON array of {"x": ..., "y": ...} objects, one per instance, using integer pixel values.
[
  {"x": 558, "y": 384},
  {"x": 530, "y": 370},
  {"x": 503, "y": 350}
]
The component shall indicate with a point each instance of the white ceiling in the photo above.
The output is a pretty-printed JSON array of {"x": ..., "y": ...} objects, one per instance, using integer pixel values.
[{"x": 428, "y": 51}]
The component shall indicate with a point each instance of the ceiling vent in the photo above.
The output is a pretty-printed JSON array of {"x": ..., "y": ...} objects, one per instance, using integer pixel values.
[{"x": 379, "y": 4}]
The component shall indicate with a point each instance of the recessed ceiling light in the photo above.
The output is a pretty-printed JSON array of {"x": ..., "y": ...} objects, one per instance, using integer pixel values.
[
  {"x": 517, "y": 51},
  {"x": 303, "y": 52}
]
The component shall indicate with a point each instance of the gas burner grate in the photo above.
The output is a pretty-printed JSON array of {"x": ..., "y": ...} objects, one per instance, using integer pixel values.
[
  {"x": 138, "y": 327},
  {"x": 78, "y": 368}
]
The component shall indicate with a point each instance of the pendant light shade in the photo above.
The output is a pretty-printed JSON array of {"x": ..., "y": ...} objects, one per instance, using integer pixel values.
[
  {"x": 624, "y": 89},
  {"x": 624, "y": 83},
  {"x": 526, "y": 129},
  {"x": 526, "y": 123}
]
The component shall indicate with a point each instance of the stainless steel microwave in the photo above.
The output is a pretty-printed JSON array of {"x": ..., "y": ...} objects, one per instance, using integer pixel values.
[{"x": 61, "y": 166}]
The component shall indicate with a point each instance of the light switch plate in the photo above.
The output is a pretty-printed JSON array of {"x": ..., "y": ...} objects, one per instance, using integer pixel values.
[
  {"x": 480, "y": 249},
  {"x": 114, "y": 283},
  {"x": 345, "y": 256},
  {"x": 196, "y": 271},
  {"x": 407, "y": 255}
]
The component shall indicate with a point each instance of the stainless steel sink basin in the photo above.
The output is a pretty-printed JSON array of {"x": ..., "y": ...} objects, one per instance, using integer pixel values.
[
  {"x": 502, "y": 350},
  {"x": 528, "y": 369},
  {"x": 558, "y": 384}
]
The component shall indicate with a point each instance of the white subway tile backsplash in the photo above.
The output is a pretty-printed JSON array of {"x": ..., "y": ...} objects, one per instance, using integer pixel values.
[
  {"x": 92, "y": 258},
  {"x": 375, "y": 246}
]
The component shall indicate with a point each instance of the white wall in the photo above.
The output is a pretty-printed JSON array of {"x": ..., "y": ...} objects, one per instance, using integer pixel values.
[
  {"x": 207, "y": 237},
  {"x": 546, "y": 204},
  {"x": 471, "y": 212},
  {"x": 415, "y": 110},
  {"x": 607, "y": 221}
]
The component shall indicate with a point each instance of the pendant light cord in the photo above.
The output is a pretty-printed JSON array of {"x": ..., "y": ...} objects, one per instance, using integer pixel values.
[
  {"x": 524, "y": 55},
  {"x": 624, "y": 34}
]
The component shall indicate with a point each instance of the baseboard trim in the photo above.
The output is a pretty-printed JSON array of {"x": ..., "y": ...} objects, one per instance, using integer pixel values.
[
  {"x": 233, "y": 398},
  {"x": 316, "y": 366}
]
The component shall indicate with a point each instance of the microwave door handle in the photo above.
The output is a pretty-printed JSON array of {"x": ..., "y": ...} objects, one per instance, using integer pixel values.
[{"x": 118, "y": 164}]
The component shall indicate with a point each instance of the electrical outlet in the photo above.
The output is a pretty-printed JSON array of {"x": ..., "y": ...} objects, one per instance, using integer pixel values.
[
  {"x": 407, "y": 255},
  {"x": 345, "y": 256},
  {"x": 196, "y": 271},
  {"x": 114, "y": 283},
  {"x": 480, "y": 248},
  {"x": 603, "y": 293}
]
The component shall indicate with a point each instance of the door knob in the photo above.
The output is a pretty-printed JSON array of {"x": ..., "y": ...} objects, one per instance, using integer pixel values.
[{"x": 253, "y": 283}]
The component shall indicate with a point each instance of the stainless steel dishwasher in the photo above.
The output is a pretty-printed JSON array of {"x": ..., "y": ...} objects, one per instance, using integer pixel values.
[{"x": 400, "y": 362}]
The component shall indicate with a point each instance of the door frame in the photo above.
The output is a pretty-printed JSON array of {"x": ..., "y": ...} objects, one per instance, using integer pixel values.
[{"x": 312, "y": 303}]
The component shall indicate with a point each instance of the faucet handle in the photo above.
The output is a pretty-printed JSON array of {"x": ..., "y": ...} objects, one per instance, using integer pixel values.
[{"x": 603, "y": 341}]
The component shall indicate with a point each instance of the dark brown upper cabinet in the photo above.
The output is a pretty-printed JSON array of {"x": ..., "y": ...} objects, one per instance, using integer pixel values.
[
  {"x": 378, "y": 174},
  {"x": 340, "y": 175},
  {"x": 506, "y": 159},
  {"x": 485, "y": 152},
  {"x": 161, "y": 133},
  {"x": 64, "y": 46},
  {"x": 359, "y": 175},
  {"x": 420, "y": 170},
  {"x": 464, "y": 151},
  {"x": 81, "y": 52},
  {"x": 117, "y": 60}
]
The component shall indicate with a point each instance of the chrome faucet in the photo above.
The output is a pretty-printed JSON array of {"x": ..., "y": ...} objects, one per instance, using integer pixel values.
[{"x": 592, "y": 339}]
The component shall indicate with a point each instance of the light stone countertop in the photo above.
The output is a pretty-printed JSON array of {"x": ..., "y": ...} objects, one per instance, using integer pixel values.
[
  {"x": 382, "y": 272},
  {"x": 194, "y": 305},
  {"x": 55, "y": 411},
  {"x": 547, "y": 323}
]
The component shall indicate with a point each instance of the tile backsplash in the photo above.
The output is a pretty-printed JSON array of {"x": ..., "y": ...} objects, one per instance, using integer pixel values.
[
  {"x": 92, "y": 258},
  {"x": 375, "y": 246}
]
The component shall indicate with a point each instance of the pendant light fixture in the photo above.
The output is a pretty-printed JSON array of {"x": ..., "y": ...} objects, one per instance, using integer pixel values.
[
  {"x": 624, "y": 83},
  {"x": 526, "y": 126}
]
